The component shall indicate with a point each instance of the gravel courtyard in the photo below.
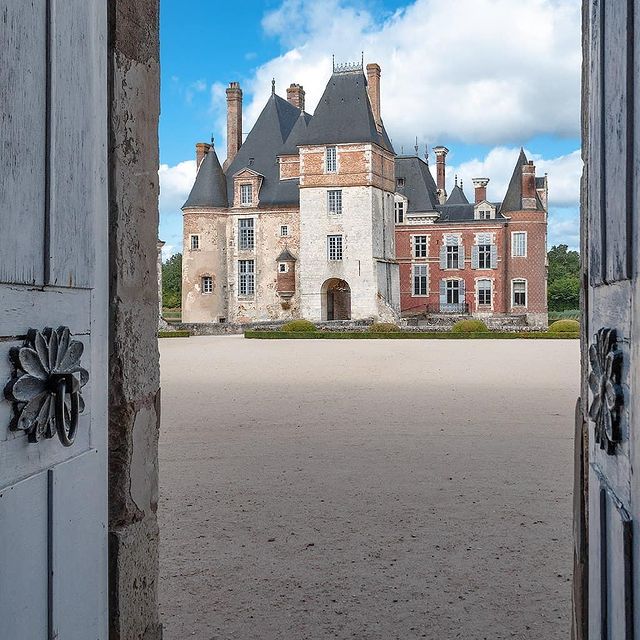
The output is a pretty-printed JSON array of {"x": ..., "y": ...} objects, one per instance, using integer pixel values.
[{"x": 366, "y": 489}]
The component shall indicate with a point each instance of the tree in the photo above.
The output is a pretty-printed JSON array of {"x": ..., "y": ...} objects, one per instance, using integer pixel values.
[
  {"x": 564, "y": 278},
  {"x": 172, "y": 281}
]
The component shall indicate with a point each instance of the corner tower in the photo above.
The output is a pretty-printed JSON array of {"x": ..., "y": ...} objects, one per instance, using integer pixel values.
[{"x": 347, "y": 266}]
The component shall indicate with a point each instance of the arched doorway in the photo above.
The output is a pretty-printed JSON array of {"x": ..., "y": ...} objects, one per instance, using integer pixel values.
[{"x": 336, "y": 300}]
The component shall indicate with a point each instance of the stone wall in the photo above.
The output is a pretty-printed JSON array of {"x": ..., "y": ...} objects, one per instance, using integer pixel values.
[{"x": 134, "y": 395}]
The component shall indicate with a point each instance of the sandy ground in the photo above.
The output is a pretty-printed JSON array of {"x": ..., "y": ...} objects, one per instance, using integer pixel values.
[{"x": 366, "y": 489}]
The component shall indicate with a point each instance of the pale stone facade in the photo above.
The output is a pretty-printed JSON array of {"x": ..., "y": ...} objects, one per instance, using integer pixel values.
[{"x": 284, "y": 231}]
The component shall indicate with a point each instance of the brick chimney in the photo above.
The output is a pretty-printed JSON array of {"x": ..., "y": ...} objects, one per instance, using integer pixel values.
[
  {"x": 234, "y": 121},
  {"x": 441, "y": 166},
  {"x": 529, "y": 186},
  {"x": 480, "y": 185},
  {"x": 373, "y": 88},
  {"x": 202, "y": 148},
  {"x": 295, "y": 95}
]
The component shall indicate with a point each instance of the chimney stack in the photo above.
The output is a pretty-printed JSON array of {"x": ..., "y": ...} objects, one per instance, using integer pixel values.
[
  {"x": 529, "y": 186},
  {"x": 295, "y": 95},
  {"x": 202, "y": 148},
  {"x": 373, "y": 88},
  {"x": 441, "y": 165},
  {"x": 234, "y": 121},
  {"x": 480, "y": 185}
]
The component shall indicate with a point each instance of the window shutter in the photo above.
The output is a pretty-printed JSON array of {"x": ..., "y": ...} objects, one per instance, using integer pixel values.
[
  {"x": 475, "y": 260},
  {"x": 462, "y": 291},
  {"x": 461, "y": 257},
  {"x": 494, "y": 256},
  {"x": 443, "y": 257},
  {"x": 443, "y": 292}
]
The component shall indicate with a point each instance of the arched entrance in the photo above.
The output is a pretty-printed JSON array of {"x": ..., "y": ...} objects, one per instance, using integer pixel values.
[{"x": 336, "y": 300}]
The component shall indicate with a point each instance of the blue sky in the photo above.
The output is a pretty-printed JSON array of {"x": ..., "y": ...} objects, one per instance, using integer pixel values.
[{"x": 482, "y": 77}]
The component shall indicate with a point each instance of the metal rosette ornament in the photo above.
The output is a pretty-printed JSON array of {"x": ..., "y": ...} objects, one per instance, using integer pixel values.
[
  {"x": 46, "y": 387},
  {"x": 605, "y": 357}
]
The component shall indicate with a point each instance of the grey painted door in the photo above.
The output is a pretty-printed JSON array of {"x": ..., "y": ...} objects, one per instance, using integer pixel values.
[
  {"x": 611, "y": 357},
  {"x": 53, "y": 273}
]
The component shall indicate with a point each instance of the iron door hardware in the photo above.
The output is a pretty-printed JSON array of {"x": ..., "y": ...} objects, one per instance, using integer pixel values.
[{"x": 46, "y": 385}]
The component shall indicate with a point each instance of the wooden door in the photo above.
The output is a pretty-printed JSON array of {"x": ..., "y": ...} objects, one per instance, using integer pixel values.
[
  {"x": 53, "y": 274},
  {"x": 611, "y": 357}
]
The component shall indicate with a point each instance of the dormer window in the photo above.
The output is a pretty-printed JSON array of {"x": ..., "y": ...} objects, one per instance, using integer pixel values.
[
  {"x": 331, "y": 160},
  {"x": 485, "y": 214},
  {"x": 399, "y": 183},
  {"x": 246, "y": 194}
]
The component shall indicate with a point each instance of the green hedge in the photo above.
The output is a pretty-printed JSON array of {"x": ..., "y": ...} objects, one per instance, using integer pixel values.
[
  {"x": 406, "y": 335},
  {"x": 299, "y": 325},
  {"x": 384, "y": 327},
  {"x": 174, "y": 334},
  {"x": 469, "y": 326},
  {"x": 565, "y": 326}
]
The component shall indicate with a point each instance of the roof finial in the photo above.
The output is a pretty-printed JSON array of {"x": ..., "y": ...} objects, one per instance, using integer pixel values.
[
  {"x": 273, "y": 86},
  {"x": 416, "y": 146},
  {"x": 426, "y": 153},
  {"x": 456, "y": 179},
  {"x": 402, "y": 150},
  {"x": 213, "y": 140},
  {"x": 460, "y": 183},
  {"x": 362, "y": 59}
]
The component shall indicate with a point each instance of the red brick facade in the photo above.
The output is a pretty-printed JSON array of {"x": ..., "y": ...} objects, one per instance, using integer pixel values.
[{"x": 507, "y": 268}]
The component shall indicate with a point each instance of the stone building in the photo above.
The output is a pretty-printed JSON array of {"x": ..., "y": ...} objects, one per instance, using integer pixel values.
[
  {"x": 299, "y": 220},
  {"x": 316, "y": 217},
  {"x": 481, "y": 258}
]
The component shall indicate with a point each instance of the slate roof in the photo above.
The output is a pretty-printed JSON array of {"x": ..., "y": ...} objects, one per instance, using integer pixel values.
[
  {"x": 513, "y": 198},
  {"x": 267, "y": 140},
  {"x": 419, "y": 186},
  {"x": 210, "y": 186},
  {"x": 457, "y": 196},
  {"x": 420, "y": 189},
  {"x": 297, "y": 133},
  {"x": 285, "y": 256},
  {"x": 344, "y": 114}
]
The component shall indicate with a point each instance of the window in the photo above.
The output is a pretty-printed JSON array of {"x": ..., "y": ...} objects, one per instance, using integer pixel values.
[
  {"x": 282, "y": 267},
  {"x": 334, "y": 247},
  {"x": 246, "y": 277},
  {"x": 331, "y": 161},
  {"x": 519, "y": 288},
  {"x": 420, "y": 280},
  {"x": 334, "y": 196},
  {"x": 485, "y": 214},
  {"x": 399, "y": 183},
  {"x": 484, "y": 292},
  {"x": 246, "y": 194},
  {"x": 453, "y": 256},
  {"x": 419, "y": 246},
  {"x": 222, "y": 320},
  {"x": 519, "y": 244},
  {"x": 284, "y": 230},
  {"x": 453, "y": 291},
  {"x": 484, "y": 256},
  {"x": 399, "y": 212},
  {"x": 194, "y": 242},
  {"x": 246, "y": 234},
  {"x": 206, "y": 284}
]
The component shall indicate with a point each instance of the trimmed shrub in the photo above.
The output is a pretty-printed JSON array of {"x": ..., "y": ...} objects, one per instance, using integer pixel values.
[
  {"x": 174, "y": 334},
  {"x": 565, "y": 326},
  {"x": 299, "y": 325},
  {"x": 469, "y": 326},
  {"x": 384, "y": 327}
]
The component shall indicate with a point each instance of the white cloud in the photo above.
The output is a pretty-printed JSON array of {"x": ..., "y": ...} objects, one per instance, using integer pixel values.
[
  {"x": 478, "y": 71},
  {"x": 564, "y": 174},
  {"x": 564, "y": 227},
  {"x": 175, "y": 184}
]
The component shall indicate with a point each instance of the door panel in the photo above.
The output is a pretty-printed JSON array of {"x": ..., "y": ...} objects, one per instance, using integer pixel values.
[
  {"x": 610, "y": 353},
  {"x": 23, "y": 82},
  {"x": 78, "y": 557},
  {"x": 53, "y": 272},
  {"x": 23, "y": 559}
]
